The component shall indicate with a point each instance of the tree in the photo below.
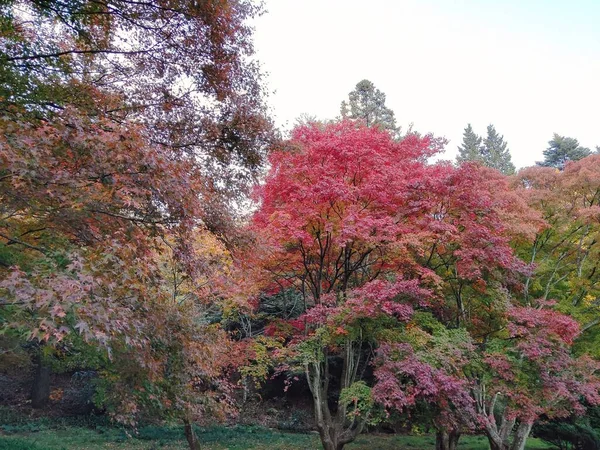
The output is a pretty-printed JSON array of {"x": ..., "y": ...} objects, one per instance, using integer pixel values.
[
  {"x": 329, "y": 214},
  {"x": 493, "y": 153},
  {"x": 502, "y": 385},
  {"x": 562, "y": 149},
  {"x": 497, "y": 155},
  {"x": 367, "y": 103},
  {"x": 126, "y": 129},
  {"x": 368, "y": 234},
  {"x": 85, "y": 258},
  {"x": 182, "y": 370},
  {"x": 469, "y": 249},
  {"x": 470, "y": 150},
  {"x": 532, "y": 372},
  {"x": 565, "y": 252},
  {"x": 502, "y": 372},
  {"x": 428, "y": 368},
  {"x": 184, "y": 71},
  {"x": 488, "y": 373}
]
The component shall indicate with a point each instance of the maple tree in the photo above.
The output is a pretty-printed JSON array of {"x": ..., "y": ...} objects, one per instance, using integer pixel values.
[
  {"x": 127, "y": 128},
  {"x": 410, "y": 236},
  {"x": 338, "y": 212},
  {"x": 529, "y": 368},
  {"x": 471, "y": 220},
  {"x": 372, "y": 237},
  {"x": 491, "y": 289},
  {"x": 535, "y": 372},
  {"x": 502, "y": 385},
  {"x": 565, "y": 252},
  {"x": 84, "y": 248},
  {"x": 182, "y": 368}
]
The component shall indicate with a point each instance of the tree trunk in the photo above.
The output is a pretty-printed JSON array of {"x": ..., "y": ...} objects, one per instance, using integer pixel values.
[
  {"x": 497, "y": 446},
  {"x": 446, "y": 440},
  {"x": 496, "y": 442},
  {"x": 190, "y": 435},
  {"x": 330, "y": 442},
  {"x": 335, "y": 430},
  {"x": 40, "y": 390},
  {"x": 454, "y": 437},
  {"x": 521, "y": 436},
  {"x": 328, "y": 431}
]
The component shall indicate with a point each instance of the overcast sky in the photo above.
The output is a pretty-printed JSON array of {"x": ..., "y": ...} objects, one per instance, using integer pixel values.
[{"x": 530, "y": 67}]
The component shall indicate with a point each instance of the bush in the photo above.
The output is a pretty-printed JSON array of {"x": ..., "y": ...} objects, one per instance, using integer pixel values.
[{"x": 569, "y": 436}]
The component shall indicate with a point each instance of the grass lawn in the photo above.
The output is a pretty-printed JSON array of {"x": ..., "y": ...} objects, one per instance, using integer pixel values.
[{"x": 219, "y": 438}]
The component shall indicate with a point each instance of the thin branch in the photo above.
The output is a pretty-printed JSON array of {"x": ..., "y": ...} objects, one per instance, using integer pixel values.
[{"x": 24, "y": 244}]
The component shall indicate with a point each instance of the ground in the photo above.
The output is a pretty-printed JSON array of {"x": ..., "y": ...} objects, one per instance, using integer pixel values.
[
  {"x": 69, "y": 437},
  {"x": 271, "y": 424}
]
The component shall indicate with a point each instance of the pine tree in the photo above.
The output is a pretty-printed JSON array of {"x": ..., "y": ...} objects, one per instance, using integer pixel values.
[
  {"x": 491, "y": 152},
  {"x": 562, "y": 149},
  {"x": 367, "y": 103},
  {"x": 496, "y": 153},
  {"x": 470, "y": 150}
]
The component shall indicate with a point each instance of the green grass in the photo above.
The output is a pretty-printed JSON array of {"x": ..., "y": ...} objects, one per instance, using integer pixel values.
[
  {"x": 19, "y": 432},
  {"x": 67, "y": 437}
]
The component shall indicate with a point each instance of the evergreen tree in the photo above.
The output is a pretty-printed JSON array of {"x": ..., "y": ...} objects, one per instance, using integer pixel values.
[
  {"x": 367, "y": 103},
  {"x": 491, "y": 152},
  {"x": 496, "y": 153},
  {"x": 470, "y": 150},
  {"x": 562, "y": 149}
]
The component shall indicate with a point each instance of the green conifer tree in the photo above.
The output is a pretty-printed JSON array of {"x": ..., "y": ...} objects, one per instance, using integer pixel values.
[
  {"x": 496, "y": 153},
  {"x": 491, "y": 151},
  {"x": 562, "y": 149},
  {"x": 470, "y": 150},
  {"x": 367, "y": 103}
]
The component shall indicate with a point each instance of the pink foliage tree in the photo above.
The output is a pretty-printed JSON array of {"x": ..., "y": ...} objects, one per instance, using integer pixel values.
[
  {"x": 341, "y": 212},
  {"x": 410, "y": 266}
]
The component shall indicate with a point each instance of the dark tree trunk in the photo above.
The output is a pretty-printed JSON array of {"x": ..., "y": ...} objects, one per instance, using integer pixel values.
[
  {"x": 454, "y": 437},
  {"x": 190, "y": 435},
  {"x": 40, "y": 390},
  {"x": 446, "y": 440}
]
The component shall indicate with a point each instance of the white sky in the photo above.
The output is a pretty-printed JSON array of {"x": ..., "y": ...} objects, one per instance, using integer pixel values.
[{"x": 530, "y": 67}]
